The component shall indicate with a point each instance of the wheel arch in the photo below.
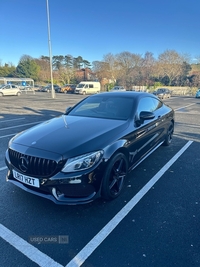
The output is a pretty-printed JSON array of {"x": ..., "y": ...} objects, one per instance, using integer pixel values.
[{"x": 117, "y": 147}]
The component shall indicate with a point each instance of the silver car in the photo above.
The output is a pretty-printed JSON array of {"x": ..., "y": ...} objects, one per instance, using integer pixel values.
[
  {"x": 117, "y": 89},
  {"x": 9, "y": 89}
]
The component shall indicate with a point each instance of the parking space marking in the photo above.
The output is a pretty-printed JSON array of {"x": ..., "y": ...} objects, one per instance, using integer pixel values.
[
  {"x": 27, "y": 249},
  {"x": 3, "y": 168},
  {"x": 12, "y": 120},
  {"x": 80, "y": 258},
  {"x": 16, "y": 126},
  {"x": 184, "y": 106},
  {"x": 3, "y": 136}
]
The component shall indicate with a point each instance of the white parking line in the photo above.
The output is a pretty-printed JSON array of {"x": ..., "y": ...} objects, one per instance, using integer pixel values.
[
  {"x": 8, "y": 135},
  {"x": 184, "y": 106},
  {"x": 3, "y": 168},
  {"x": 27, "y": 249},
  {"x": 80, "y": 258},
  {"x": 45, "y": 261},
  {"x": 16, "y": 126},
  {"x": 12, "y": 120}
]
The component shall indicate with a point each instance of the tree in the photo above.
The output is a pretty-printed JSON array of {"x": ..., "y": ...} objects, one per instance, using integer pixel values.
[
  {"x": 169, "y": 65},
  {"x": 68, "y": 61},
  {"x": 78, "y": 62},
  {"x": 44, "y": 64},
  {"x": 57, "y": 62},
  {"x": 182, "y": 79},
  {"x": 27, "y": 68},
  {"x": 147, "y": 68},
  {"x": 86, "y": 64},
  {"x": 128, "y": 67},
  {"x": 66, "y": 75},
  {"x": 7, "y": 70}
]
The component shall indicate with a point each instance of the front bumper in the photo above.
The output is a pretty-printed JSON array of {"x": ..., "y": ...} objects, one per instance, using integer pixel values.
[
  {"x": 64, "y": 189},
  {"x": 56, "y": 192}
]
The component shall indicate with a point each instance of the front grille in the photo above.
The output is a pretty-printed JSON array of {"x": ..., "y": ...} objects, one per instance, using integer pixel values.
[{"x": 35, "y": 166}]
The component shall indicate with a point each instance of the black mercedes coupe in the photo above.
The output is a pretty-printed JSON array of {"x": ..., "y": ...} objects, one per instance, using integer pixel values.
[{"x": 88, "y": 151}]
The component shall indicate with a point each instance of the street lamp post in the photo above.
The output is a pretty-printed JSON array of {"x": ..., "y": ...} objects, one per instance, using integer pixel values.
[{"x": 50, "y": 54}]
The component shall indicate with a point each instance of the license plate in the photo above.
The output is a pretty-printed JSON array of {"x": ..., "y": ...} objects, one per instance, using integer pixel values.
[{"x": 26, "y": 179}]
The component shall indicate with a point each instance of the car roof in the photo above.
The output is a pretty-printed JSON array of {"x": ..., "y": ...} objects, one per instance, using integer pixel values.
[{"x": 128, "y": 94}]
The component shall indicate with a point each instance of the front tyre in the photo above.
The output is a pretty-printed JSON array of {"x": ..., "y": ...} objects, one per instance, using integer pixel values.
[
  {"x": 168, "y": 138},
  {"x": 114, "y": 177}
]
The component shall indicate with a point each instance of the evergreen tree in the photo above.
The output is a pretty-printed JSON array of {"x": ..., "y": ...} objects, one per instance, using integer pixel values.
[{"x": 27, "y": 68}]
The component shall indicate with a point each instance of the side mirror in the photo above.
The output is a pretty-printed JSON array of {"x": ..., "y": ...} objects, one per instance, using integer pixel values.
[
  {"x": 67, "y": 110},
  {"x": 144, "y": 115}
]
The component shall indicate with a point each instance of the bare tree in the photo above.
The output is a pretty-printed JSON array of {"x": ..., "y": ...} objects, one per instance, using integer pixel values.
[
  {"x": 66, "y": 75},
  {"x": 147, "y": 68},
  {"x": 112, "y": 70},
  {"x": 169, "y": 65},
  {"x": 128, "y": 67}
]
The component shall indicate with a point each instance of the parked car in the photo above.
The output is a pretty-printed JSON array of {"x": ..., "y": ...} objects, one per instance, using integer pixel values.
[
  {"x": 198, "y": 93},
  {"x": 48, "y": 88},
  {"x": 88, "y": 151},
  {"x": 68, "y": 88},
  {"x": 9, "y": 89},
  {"x": 117, "y": 88},
  {"x": 162, "y": 93}
]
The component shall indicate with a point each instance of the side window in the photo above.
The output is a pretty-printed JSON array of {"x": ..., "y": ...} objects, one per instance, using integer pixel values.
[
  {"x": 146, "y": 104},
  {"x": 157, "y": 104},
  {"x": 91, "y": 86}
]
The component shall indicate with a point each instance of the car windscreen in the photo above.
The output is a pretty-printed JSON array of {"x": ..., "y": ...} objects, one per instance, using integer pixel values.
[
  {"x": 118, "y": 108},
  {"x": 81, "y": 85}
]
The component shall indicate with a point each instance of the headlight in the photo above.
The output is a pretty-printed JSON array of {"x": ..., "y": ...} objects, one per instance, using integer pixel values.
[{"x": 83, "y": 162}]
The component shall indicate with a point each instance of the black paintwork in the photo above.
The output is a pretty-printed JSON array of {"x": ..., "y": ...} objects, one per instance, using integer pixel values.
[{"x": 69, "y": 136}]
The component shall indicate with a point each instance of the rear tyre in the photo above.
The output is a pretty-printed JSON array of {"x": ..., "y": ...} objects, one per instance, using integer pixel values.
[
  {"x": 114, "y": 177},
  {"x": 1, "y": 94},
  {"x": 168, "y": 138}
]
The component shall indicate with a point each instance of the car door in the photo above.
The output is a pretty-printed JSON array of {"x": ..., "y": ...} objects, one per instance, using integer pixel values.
[
  {"x": 7, "y": 90},
  {"x": 92, "y": 89},
  {"x": 13, "y": 90},
  {"x": 148, "y": 132}
]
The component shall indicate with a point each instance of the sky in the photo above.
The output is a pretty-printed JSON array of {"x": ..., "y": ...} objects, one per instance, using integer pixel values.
[{"x": 93, "y": 29}]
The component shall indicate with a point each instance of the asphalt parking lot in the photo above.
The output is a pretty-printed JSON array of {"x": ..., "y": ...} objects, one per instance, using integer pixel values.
[{"x": 155, "y": 222}]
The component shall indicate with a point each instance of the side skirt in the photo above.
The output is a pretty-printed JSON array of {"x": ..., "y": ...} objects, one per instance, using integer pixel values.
[{"x": 148, "y": 154}]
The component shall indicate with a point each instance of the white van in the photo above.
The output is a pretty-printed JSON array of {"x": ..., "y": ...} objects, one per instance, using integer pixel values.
[{"x": 88, "y": 88}]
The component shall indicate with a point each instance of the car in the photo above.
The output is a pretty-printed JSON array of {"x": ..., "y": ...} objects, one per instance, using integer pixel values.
[
  {"x": 9, "y": 89},
  {"x": 198, "y": 93},
  {"x": 88, "y": 151},
  {"x": 118, "y": 88},
  {"x": 68, "y": 88},
  {"x": 48, "y": 88},
  {"x": 162, "y": 93}
]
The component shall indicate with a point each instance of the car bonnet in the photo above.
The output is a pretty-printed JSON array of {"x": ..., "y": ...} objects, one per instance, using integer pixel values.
[{"x": 69, "y": 135}]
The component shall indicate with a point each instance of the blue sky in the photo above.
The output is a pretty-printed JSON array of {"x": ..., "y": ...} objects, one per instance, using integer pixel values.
[{"x": 92, "y": 29}]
